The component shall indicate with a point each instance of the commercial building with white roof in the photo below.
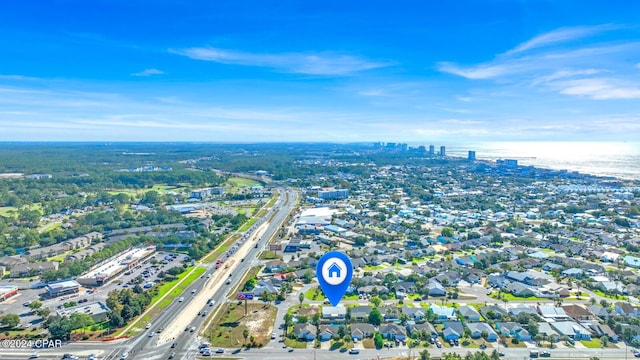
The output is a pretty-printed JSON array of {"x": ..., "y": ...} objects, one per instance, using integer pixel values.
[{"x": 105, "y": 272}]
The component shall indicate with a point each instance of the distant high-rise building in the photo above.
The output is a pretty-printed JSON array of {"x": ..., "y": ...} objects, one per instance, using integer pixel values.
[
  {"x": 332, "y": 194},
  {"x": 432, "y": 150},
  {"x": 443, "y": 151},
  {"x": 422, "y": 149},
  {"x": 508, "y": 163},
  {"x": 472, "y": 155}
]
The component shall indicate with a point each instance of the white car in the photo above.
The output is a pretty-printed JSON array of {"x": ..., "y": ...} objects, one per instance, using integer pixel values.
[{"x": 124, "y": 355}]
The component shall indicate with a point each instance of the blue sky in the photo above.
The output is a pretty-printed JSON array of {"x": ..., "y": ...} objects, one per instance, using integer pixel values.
[{"x": 341, "y": 71}]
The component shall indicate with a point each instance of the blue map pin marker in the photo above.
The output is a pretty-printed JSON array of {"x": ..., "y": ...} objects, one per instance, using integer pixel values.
[{"x": 334, "y": 272}]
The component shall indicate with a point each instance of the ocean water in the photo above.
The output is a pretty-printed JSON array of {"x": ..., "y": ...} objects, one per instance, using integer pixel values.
[{"x": 619, "y": 159}]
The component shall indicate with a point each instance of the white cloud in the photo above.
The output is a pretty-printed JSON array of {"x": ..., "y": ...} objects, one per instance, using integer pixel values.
[
  {"x": 312, "y": 64},
  {"x": 149, "y": 72},
  {"x": 16, "y": 77},
  {"x": 598, "y": 89},
  {"x": 475, "y": 72},
  {"x": 574, "y": 70},
  {"x": 559, "y": 36},
  {"x": 562, "y": 74}
]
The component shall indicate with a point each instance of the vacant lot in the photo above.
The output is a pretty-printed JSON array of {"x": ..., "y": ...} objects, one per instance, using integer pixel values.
[{"x": 231, "y": 321}]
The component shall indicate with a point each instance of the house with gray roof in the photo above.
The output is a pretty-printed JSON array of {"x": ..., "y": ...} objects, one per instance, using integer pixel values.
[
  {"x": 513, "y": 330},
  {"x": 426, "y": 327},
  {"x": 305, "y": 331},
  {"x": 393, "y": 331},
  {"x": 360, "y": 331},
  {"x": 469, "y": 313},
  {"x": 413, "y": 313},
  {"x": 334, "y": 313},
  {"x": 453, "y": 330},
  {"x": 360, "y": 313},
  {"x": 478, "y": 328},
  {"x": 571, "y": 329}
]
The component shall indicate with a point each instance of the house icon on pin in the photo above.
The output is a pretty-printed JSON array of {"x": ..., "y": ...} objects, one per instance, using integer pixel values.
[{"x": 334, "y": 269}]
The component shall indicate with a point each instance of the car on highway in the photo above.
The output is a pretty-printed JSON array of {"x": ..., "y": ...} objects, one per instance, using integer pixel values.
[
  {"x": 219, "y": 351},
  {"x": 192, "y": 329},
  {"x": 92, "y": 357},
  {"x": 69, "y": 357},
  {"x": 173, "y": 346},
  {"x": 354, "y": 351},
  {"x": 172, "y": 355},
  {"x": 124, "y": 355},
  {"x": 545, "y": 354},
  {"x": 181, "y": 299},
  {"x": 34, "y": 356}
]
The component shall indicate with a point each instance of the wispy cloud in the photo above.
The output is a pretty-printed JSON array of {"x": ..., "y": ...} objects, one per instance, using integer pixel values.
[
  {"x": 537, "y": 64},
  {"x": 16, "y": 77},
  {"x": 149, "y": 72},
  {"x": 302, "y": 63},
  {"x": 599, "y": 89},
  {"x": 561, "y": 35},
  {"x": 476, "y": 72}
]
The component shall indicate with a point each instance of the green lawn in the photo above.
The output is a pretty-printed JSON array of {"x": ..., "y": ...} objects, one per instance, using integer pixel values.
[
  {"x": 313, "y": 296},
  {"x": 295, "y": 344},
  {"x": 591, "y": 344},
  {"x": 608, "y": 296},
  {"x": 247, "y": 224},
  {"x": 240, "y": 182},
  {"x": 511, "y": 297},
  {"x": 371, "y": 268}
]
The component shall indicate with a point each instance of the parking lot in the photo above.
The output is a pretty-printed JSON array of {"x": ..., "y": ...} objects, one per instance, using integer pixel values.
[{"x": 146, "y": 272}]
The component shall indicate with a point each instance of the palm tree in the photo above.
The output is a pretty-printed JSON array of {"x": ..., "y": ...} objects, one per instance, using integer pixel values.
[{"x": 245, "y": 335}]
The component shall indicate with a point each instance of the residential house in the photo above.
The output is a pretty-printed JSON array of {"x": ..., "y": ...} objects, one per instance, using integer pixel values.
[
  {"x": 469, "y": 313},
  {"x": 359, "y": 313},
  {"x": 442, "y": 312},
  {"x": 449, "y": 278},
  {"x": 478, "y": 328},
  {"x": 334, "y": 313},
  {"x": 552, "y": 313},
  {"x": 393, "y": 332},
  {"x": 599, "y": 311},
  {"x": 416, "y": 314},
  {"x": 522, "y": 308},
  {"x": 390, "y": 312},
  {"x": 326, "y": 332},
  {"x": 453, "y": 330},
  {"x": 514, "y": 330},
  {"x": 404, "y": 288},
  {"x": 578, "y": 312},
  {"x": 626, "y": 309},
  {"x": 306, "y": 332},
  {"x": 426, "y": 327},
  {"x": 436, "y": 288},
  {"x": 571, "y": 329},
  {"x": 371, "y": 289},
  {"x": 493, "y": 312},
  {"x": 360, "y": 331},
  {"x": 601, "y": 330},
  {"x": 275, "y": 266},
  {"x": 521, "y": 290}
]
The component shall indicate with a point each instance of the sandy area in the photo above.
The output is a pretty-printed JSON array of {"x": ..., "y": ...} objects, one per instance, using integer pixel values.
[{"x": 197, "y": 302}]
